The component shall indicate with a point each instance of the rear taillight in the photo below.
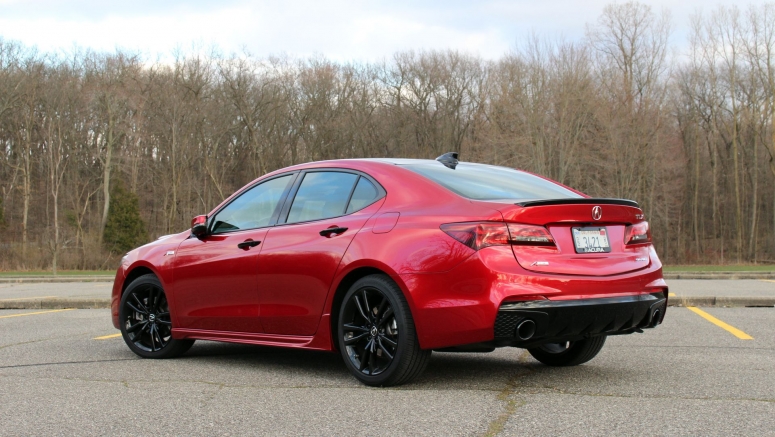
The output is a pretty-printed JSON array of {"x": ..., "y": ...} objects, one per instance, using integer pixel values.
[
  {"x": 637, "y": 234},
  {"x": 481, "y": 235},
  {"x": 530, "y": 235},
  {"x": 478, "y": 235}
]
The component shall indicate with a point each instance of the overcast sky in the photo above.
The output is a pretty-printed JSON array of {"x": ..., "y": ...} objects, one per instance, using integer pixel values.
[{"x": 340, "y": 30}]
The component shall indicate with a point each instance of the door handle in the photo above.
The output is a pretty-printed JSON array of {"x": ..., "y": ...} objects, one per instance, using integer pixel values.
[
  {"x": 329, "y": 231},
  {"x": 248, "y": 244}
]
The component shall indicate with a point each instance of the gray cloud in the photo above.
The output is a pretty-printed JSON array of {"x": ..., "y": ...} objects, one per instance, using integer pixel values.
[{"x": 342, "y": 30}]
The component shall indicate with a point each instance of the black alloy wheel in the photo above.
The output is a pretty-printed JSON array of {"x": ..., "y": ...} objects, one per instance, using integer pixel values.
[
  {"x": 568, "y": 353},
  {"x": 376, "y": 334},
  {"x": 371, "y": 338},
  {"x": 145, "y": 320}
]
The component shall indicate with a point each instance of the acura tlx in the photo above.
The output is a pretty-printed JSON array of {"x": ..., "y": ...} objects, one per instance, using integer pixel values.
[{"x": 386, "y": 260}]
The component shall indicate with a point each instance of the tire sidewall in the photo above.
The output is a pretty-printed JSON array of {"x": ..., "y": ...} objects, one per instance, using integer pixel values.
[
  {"x": 142, "y": 280},
  {"x": 579, "y": 352},
  {"x": 389, "y": 290}
]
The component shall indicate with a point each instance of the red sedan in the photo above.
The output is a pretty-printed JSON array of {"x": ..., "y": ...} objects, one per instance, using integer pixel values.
[{"x": 385, "y": 260}]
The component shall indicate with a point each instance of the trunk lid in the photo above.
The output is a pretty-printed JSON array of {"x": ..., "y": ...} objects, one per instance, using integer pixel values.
[{"x": 560, "y": 217}]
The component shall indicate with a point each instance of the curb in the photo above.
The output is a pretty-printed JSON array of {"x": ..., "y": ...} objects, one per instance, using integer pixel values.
[
  {"x": 50, "y": 279},
  {"x": 721, "y": 301},
  {"x": 55, "y": 304},
  {"x": 718, "y": 275},
  {"x": 102, "y": 303}
]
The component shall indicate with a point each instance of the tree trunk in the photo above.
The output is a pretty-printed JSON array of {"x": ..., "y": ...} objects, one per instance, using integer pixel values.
[
  {"x": 754, "y": 200},
  {"x": 106, "y": 178},
  {"x": 736, "y": 166},
  {"x": 695, "y": 210}
]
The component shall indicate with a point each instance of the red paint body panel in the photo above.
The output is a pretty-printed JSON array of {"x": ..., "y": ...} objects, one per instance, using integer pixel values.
[
  {"x": 553, "y": 214},
  {"x": 385, "y": 222},
  {"x": 215, "y": 282},
  {"x": 296, "y": 268},
  {"x": 453, "y": 291},
  {"x": 152, "y": 256},
  {"x": 459, "y": 306},
  {"x": 563, "y": 259}
]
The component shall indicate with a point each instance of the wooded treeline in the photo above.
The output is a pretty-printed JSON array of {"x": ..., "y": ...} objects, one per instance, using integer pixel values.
[{"x": 688, "y": 134}]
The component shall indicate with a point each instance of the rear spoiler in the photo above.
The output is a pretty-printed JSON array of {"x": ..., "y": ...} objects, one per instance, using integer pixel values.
[{"x": 579, "y": 201}]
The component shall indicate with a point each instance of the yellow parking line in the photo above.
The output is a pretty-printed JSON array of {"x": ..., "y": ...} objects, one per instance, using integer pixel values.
[
  {"x": 26, "y": 298},
  {"x": 38, "y": 312},
  {"x": 670, "y": 294},
  {"x": 105, "y": 337},
  {"x": 766, "y": 280},
  {"x": 734, "y": 331}
]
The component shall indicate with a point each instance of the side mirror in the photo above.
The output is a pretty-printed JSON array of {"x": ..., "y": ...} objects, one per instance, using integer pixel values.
[{"x": 199, "y": 226}]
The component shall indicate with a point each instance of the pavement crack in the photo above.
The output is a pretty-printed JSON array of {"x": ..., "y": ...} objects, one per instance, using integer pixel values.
[
  {"x": 496, "y": 426},
  {"x": 24, "y": 342},
  {"x": 210, "y": 396},
  {"x": 639, "y": 346},
  {"x": 21, "y": 343},
  {"x": 66, "y": 362},
  {"x": 557, "y": 390}
]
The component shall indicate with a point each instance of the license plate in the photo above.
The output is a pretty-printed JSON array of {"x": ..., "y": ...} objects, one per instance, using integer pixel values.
[{"x": 591, "y": 240}]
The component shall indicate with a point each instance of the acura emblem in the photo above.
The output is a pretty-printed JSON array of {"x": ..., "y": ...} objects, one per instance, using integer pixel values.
[{"x": 597, "y": 212}]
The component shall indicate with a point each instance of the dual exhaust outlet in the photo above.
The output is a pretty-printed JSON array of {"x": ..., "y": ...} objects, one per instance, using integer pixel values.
[
  {"x": 526, "y": 329},
  {"x": 655, "y": 316}
]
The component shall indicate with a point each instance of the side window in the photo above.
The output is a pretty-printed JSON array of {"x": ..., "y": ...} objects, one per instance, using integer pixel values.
[
  {"x": 363, "y": 196},
  {"x": 253, "y": 208},
  {"x": 321, "y": 195}
]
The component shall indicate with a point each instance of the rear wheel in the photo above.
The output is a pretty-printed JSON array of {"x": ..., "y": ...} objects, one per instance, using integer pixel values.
[
  {"x": 145, "y": 320},
  {"x": 569, "y": 353},
  {"x": 376, "y": 334}
]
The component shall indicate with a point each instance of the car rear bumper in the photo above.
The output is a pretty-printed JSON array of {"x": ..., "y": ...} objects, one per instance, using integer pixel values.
[
  {"x": 529, "y": 323},
  {"x": 489, "y": 291}
]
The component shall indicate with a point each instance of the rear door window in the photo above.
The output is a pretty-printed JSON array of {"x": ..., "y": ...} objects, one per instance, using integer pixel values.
[
  {"x": 365, "y": 194},
  {"x": 321, "y": 195}
]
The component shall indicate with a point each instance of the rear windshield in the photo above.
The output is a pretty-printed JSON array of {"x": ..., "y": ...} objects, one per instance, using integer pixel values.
[{"x": 488, "y": 182}]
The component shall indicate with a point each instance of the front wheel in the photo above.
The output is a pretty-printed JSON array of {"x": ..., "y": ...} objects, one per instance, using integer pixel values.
[
  {"x": 145, "y": 320},
  {"x": 376, "y": 334},
  {"x": 568, "y": 353}
]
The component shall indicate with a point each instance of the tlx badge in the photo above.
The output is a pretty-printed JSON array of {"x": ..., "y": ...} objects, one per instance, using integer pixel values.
[{"x": 597, "y": 212}]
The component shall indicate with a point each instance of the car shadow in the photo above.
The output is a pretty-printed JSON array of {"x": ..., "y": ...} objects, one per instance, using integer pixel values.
[{"x": 489, "y": 371}]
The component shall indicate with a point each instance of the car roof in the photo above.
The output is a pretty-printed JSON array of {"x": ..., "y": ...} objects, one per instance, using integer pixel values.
[
  {"x": 402, "y": 161},
  {"x": 391, "y": 161},
  {"x": 372, "y": 166},
  {"x": 355, "y": 163}
]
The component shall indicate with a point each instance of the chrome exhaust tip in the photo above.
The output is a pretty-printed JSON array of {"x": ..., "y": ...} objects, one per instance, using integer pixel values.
[
  {"x": 526, "y": 329},
  {"x": 655, "y": 318}
]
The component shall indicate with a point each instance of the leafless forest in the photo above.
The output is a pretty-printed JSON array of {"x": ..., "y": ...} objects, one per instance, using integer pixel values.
[{"x": 683, "y": 127}]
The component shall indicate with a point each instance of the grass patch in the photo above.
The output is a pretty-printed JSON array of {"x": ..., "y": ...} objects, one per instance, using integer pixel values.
[
  {"x": 722, "y": 268},
  {"x": 59, "y": 273}
]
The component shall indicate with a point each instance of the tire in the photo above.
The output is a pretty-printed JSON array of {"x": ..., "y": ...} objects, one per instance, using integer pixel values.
[
  {"x": 569, "y": 353},
  {"x": 145, "y": 322},
  {"x": 377, "y": 336}
]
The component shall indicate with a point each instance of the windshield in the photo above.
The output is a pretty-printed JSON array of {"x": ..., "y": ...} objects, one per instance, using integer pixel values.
[{"x": 489, "y": 182}]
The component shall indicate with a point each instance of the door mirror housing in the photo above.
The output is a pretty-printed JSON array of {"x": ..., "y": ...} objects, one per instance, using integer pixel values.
[{"x": 199, "y": 226}]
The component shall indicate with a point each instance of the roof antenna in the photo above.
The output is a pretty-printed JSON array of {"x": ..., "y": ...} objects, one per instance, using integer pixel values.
[{"x": 448, "y": 159}]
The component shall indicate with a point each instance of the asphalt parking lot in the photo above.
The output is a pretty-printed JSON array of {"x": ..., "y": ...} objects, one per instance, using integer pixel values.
[{"x": 63, "y": 372}]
